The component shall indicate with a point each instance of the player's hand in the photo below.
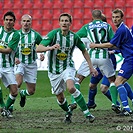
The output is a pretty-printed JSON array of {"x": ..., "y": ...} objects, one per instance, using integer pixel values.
[
  {"x": 92, "y": 45},
  {"x": 56, "y": 46},
  {"x": 17, "y": 61},
  {"x": 93, "y": 72},
  {"x": 42, "y": 57}
]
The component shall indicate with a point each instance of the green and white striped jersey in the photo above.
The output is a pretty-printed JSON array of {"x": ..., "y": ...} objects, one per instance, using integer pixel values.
[
  {"x": 97, "y": 31},
  {"x": 59, "y": 60},
  {"x": 8, "y": 39},
  {"x": 27, "y": 46}
]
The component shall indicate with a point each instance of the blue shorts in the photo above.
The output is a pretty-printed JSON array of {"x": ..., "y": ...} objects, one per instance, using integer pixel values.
[{"x": 126, "y": 69}]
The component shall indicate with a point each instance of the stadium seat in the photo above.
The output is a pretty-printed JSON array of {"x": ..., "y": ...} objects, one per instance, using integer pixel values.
[
  {"x": 98, "y": 4},
  {"x": 37, "y": 25},
  {"x": 76, "y": 25},
  {"x": 37, "y": 14},
  {"x": 119, "y": 3},
  {"x": 68, "y": 10},
  {"x": 28, "y": 11},
  {"x": 8, "y": 4},
  {"x": 46, "y": 24},
  {"x": 108, "y": 12},
  {"x": 129, "y": 3},
  {"x": 87, "y": 20},
  {"x": 56, "y": 13},
  {"x": 129, "y": 22},
  {"x": 48, "y": 4},
  {"x": 129, "y": 12},
  {"x": 38, "y": 4},
  {"x": 55, "y": 24},
  {"x": 47, "y": 13},
  {"x": 58, "y": 4},
  {"x": 18, "y": 13},
  {"x": 109, "y": 3},
  {"x": 109, "y": 20},
  {"x": 17, "y": 25},
  {"x": 78, "y": 4},
  {"x": 28, "y": 4},
  {"x": 68, "y": 4},
  {"x": 88, "y": 3},
  {"x": 18, "y": 4},
  {"x": 44, "y": 32},
  {"x": 78, "y": 13},
  {"x": 87, "y": 13}
]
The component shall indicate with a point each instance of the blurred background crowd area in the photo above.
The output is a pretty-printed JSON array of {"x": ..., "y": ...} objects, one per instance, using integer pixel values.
[{"x": 45, "y": 13}]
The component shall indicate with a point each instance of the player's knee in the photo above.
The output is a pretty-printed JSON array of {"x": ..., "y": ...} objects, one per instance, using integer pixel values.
[{"x": 92, "y": 86}]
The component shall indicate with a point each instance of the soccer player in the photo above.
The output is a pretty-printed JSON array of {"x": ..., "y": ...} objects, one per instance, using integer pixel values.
[
  {"x": 26, "y": 65},
  {"x": 60, "y": 44},
  {"x": 9, "y": 39},
  {"x": 122, "y": 40}
]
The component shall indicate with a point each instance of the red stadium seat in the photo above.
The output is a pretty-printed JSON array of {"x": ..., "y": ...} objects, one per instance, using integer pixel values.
[
  {"x": 78, "y": 3},
  {"x": 129, "y": 12},
  {"x": 129, "y": 3},
  {"x": 37, "y": 25},
  {"x": 47, "y": 13},
  {"x": 28, "y": 4},
  {"x": 88, "y": 3},
  {"x": 87, "y": 13},
  {"x": 44, "y": 32},
  {"x": 109, "y": 3},
  {"x": 129, "y": 22},
  {"x": 18, "y": 4},
  {"x": 78, "y": 13},
  {"x": 18, "y": 13},
  {"x": 58, "y": 4},
  {"x": 28, "y": 11},
  {"x": 55, "y": 24},
  {"x": 87, "y": 20},
  {"x": 37, "y": 14},
  {"x": 46, "y": 24},
  {"x": 56, "y": 13},
  {"x": 108, "y": 12},
  {"x": 68, "y": 4},
  {"x": 119, "y": 3},
  {"x": 99, "y": 4},
  {"x": 76, "y": 25},
  {"x": 8, "y": 5},
  {"x": 17, "y": 25},
  {"x": 48, "y": 4},
  {"x": 38, "y": 4},
  {"x": 68, "y": 10}
]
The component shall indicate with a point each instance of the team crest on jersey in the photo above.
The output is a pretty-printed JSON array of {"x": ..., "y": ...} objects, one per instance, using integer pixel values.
[
  {"x": 26, "y": 51},
  {"x": 61, "y": 56}
]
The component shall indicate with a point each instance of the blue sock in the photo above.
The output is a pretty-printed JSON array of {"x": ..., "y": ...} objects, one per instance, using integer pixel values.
[
  {"x": 107, "y": 94},
  {"x": 129, "y": 91},
  {"x": 123, "y": 96},
  {"x": 91, "y": 96}
]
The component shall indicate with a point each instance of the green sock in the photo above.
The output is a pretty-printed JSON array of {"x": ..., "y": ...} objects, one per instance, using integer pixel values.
[
  {"x": 11, "y": 107},
  {"x": 1, "y": 99},
  {"x": 24, "y": 93},
  {"x": 114, "y": 93},
  {"x": 9, "y": 102},
  {"x": 81, "y": 102},
  {"x": 72, "y": 98},
  {"x": 64, "y": 106}
]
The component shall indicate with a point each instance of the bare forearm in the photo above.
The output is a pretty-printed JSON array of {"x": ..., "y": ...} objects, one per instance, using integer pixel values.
[{"x": 5, "y": 51}]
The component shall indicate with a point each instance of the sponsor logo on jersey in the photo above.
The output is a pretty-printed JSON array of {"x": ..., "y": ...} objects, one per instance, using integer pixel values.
[
  {"x": 61, "y": 56},
  {"x": 26, "y": 51}
]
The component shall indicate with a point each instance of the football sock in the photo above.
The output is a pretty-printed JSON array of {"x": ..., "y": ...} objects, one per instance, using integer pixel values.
[
  {"x": 81, "y": 102},
  {"x": 77, "y": 85},
  {"x": 123, "y": 96},
  {"x": 114, "y": 93},
  {"x": 24, "y": 93},
  {"x": 1, "y": 98},
  {"x": 63, "y": 105},
  {"x": 10, "y": 101},
  {"x": 129, "y": 91},
  {"x": 91, "y": 96},
  {"x": 108, "y": 95}
]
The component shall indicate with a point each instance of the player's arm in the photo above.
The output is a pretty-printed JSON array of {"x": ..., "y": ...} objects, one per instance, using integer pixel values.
[{"x": 5, "y": 50}]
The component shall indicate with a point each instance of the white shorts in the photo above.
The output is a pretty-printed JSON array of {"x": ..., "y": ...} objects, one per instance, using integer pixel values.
[
  {"x": 105, "y": 65},
  {"x": 58, "y": 81},
  {"x": 28, "y": 71},
  {"x": 8, "y": 77},
  {"x": 84, "y": 69}
]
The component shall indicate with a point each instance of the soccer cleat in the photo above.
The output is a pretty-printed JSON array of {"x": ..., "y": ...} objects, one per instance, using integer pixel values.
[
  {"x": 68, "y": 117},
  {"x": 23, "y": 100},
  {"x": 6, "y": 113},
  {"x": 125, "y": 113},
  {"x": 91, "y": 106},
  {"x": 91, "y": 118},
  {"x": 72, "y": 106},
  {"x": 116, "y": 109}
]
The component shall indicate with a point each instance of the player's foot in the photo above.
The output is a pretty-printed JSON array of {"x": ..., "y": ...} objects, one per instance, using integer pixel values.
[
  {"x": 6, "y": 113},
  {"x": 72, "y": 106},
  {"x": 68, "y": 117},
  {"x": 23, "y": 100},
  {"x": 125, "y": 113},
  {"x": 91, "y": 118},
  {"x": 91, "y": 106},
  {"x": 116, "y": 109}
]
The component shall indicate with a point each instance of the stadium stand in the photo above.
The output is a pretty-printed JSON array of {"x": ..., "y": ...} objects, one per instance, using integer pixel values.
[{"x": 48, "y": 11}]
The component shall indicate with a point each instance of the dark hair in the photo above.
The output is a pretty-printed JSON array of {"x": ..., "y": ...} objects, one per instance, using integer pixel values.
[
  {"x": 103, "y": 17},
  {"x": 10, "y": 13},
  {"x": 117, "y": 10},
  {"x": 66, "y": 14}
]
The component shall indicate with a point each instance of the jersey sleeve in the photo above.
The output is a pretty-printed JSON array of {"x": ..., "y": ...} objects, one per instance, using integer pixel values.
[
  {"x": 38, "y": 38},
  {"x": 13, "y": 44},
  {"x": 82, "y": 32}
]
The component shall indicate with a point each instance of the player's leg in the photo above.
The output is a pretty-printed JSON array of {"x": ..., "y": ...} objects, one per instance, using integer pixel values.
[{"x": 2, "y": 104}]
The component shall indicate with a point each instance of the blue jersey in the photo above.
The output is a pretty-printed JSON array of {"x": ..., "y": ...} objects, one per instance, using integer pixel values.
[{"x": 124, "y": 41}]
